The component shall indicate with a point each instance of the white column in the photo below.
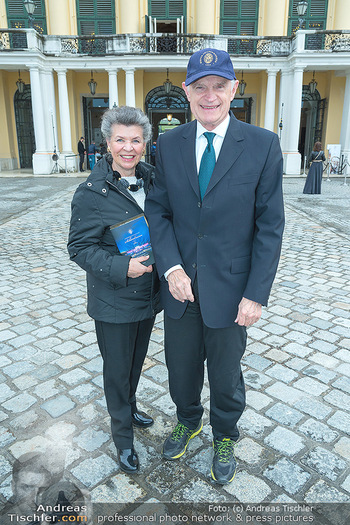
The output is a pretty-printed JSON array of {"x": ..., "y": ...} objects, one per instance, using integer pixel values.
[
  {"x": 37, "y": 108},
  {"x": 130, "y": 99},
  {"x": 270, "y": 100},
  {"x": 113, "y": 87},
  {"x": 41, "y": 157},
  {"x": 292, "y": 157},
  {"x": 52, "y": 108},
  {"x": 284, "y": 107},
  {"x": 345, "y": 123},
  {"x": 64, "y": 112},
  {"x": 47, "y": 108}
]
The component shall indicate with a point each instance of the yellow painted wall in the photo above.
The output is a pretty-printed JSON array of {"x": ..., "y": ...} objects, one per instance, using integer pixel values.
[
  {"x": 335, "y": 96},
  {"x": 341, "y": 15},
  {"x": 259, "y": 86},
  {"x": 61, "y": 17},
  {"x": 272, "y": 16},
  {"x": 77, "y": 88},
  {"x": 190, "y": 16},
  {"x": 143, "y": 13},
  {"x": 152, "y": 80},
  {"x": 8, "y": 143},
  {"x": 204, "y": 17},
  {"x": 3, "y": 17},
  {"x": 129, "y": 16},
  {"x": 139, "y": 94}
]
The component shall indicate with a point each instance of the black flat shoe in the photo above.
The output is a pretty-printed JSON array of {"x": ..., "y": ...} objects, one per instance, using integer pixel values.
[
  {"x": 128, "y": 460},
  {"x": 142, "y": 420}
]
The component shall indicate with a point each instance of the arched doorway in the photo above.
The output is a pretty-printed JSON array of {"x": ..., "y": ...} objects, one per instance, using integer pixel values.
[
  {"x": 160, "y": 105},
  {"x": 24, "y": 127},
  {"x": 311, "y": 121}
]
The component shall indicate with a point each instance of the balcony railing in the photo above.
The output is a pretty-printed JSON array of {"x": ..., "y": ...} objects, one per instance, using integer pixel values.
[{"x": 168, "y": 43}]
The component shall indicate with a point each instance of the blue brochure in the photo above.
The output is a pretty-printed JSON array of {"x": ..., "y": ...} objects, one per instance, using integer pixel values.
[{"x": 132, "y": 238}]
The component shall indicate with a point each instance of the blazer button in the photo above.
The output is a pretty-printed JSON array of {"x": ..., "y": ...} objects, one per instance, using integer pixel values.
[
  {"x": 200, "y": 236},
  {"x": 199, "y": 204},
  {"x": 194, "y": 265}
]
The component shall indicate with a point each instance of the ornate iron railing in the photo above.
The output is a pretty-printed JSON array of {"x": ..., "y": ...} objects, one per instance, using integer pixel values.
[
  {"x": 336, "y": 42},
  {"x": 12, "y": 39},
  {"x": 167, "y": 43}
]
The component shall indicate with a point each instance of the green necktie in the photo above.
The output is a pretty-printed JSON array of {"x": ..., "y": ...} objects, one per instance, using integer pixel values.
[{"x": 207, "y": 164}]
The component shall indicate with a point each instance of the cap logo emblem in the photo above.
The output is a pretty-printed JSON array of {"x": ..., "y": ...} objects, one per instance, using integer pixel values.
[{"x": 208, "y": 59}]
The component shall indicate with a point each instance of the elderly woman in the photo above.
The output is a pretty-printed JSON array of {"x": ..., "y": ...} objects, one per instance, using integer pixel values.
[{"x": 122, "y": 291}]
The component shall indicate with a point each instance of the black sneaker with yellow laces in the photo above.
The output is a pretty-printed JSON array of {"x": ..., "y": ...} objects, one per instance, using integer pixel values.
[
  {"x": 175, "y": 445},
  {"x": 223, "y": 469}
]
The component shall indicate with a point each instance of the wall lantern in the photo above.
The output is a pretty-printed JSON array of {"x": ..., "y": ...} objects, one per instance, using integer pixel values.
[
  {"x": 241, "y": 86},
  {"x": 30, "y": 8},
  {"x": 169, "y": 117},
  {"x": 301, "y": 9},
  {"x": 312, "y": 84},
  {"x": 20, "y": 84},
  {"x": 167, "y": 84},
  {"x": 92, "y": 85}
]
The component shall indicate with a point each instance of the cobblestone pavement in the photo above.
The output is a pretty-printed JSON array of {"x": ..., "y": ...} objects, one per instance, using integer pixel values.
[{"x": 295, "y": 443}]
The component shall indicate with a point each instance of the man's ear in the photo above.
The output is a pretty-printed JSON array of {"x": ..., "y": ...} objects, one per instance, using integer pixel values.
[
  {"x": 186, "y": 90},
  {"x": 234, "y": 89}
]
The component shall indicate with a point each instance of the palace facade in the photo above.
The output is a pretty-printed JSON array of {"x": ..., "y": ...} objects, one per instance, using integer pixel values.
[{"x": 63, "y": 65}]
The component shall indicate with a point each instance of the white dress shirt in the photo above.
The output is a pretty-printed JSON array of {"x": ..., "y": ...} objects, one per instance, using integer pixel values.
[
  {"x": 201, "y": 141},
  {"x": 201, "y": 144}
]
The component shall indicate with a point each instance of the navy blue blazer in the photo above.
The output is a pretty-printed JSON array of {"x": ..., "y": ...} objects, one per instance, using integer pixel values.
[{"x": 232, "y": 240}]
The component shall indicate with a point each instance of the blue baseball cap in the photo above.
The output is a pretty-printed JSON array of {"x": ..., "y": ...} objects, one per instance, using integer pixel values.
[{"x": 209, "y": 62}]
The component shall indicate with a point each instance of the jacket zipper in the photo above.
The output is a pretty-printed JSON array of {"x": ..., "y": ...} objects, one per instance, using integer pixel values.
[{"x": 154, "y": 270}]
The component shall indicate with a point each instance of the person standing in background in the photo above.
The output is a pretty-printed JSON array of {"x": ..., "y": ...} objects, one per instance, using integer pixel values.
[
  {"x": 81, "y": 152},
  {"x": 91, "y": 154},
  {"x": 314, "y": 177}
]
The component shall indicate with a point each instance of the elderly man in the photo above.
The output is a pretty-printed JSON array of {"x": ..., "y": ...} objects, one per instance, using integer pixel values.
[{"x": 216, "y": 220}]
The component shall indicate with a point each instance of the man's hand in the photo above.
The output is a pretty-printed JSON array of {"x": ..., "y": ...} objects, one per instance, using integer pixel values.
[
  {"x": 180, "y": 286},
  {"x": 249, "y": 312},
  {"x": 136, "y": 269}
]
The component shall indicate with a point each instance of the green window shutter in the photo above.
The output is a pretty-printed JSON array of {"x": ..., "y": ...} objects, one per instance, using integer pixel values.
[
  {"x": 239, "y": 17},
  {"x": 315, "y": 16},
  {"x": 248, "y": 29},
  {"x": 105, "y": 27},
  {"x": 176, "y": 8},
  {"x": 87, "y": 27},
  {"x": 86, "y": 8},
  {"x": 96, "y": 17},
  {"x": 15, "y": 8},
  {"x": 230, "y": 8},
  {"x": 249, "y": 8},
  {"x": 229, "y": 28},
  {"x": 103, "y": 7},
  {"x": 318, "y": 8},
  {"x": 167, "y": 9},
  {"x": 158, "y": 8},
  {"x": 17, "y": 15}
]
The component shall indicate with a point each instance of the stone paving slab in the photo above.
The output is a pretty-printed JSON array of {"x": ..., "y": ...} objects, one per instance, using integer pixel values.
[{"x": 295, "y": 442}]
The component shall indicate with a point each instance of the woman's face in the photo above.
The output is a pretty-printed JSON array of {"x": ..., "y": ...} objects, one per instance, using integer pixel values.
[{"x": 126, "y": 145}]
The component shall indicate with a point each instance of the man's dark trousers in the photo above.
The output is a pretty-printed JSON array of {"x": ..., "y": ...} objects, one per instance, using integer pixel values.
[
  {"x": 188, "y": 342},
  {"x": 81, "y": 161}
]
